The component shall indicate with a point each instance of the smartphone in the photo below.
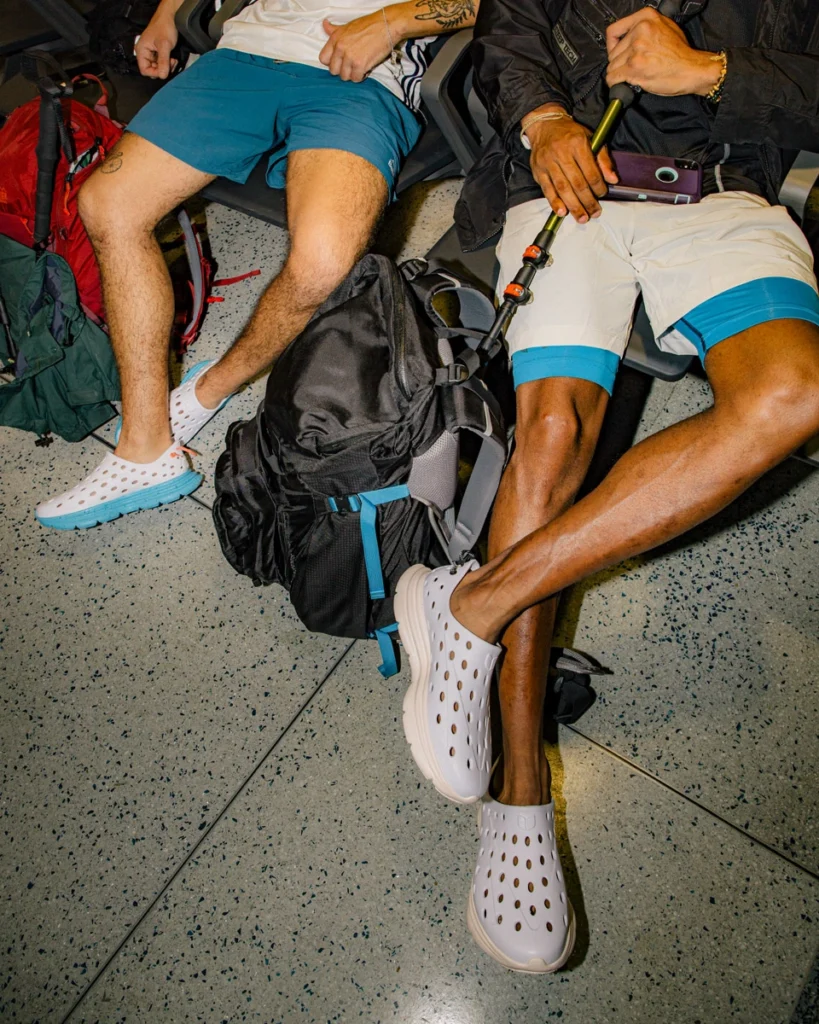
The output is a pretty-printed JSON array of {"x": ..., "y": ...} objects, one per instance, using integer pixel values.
[{"x": 655, "y": 179}]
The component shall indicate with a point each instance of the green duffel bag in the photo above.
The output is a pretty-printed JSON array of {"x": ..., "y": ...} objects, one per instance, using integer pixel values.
[{"x": 57, "y": 365}]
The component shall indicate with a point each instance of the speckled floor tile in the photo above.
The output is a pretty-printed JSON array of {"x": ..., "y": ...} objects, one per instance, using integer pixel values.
[
  {"x": 335, "y": 891},
  {"x": 713, "y": 643},
  {"x": 140, "y": 681}
]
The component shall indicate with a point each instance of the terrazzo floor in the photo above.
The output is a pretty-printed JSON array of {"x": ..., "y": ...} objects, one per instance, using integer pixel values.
[{"x": 209, "y": 814}]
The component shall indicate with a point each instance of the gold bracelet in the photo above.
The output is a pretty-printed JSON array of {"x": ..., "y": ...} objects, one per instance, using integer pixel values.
[{"x": 715, "y": 95}]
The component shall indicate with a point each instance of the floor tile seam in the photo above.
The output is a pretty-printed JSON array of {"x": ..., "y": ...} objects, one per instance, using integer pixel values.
[
  {"x": 749, "y": 836},
  {"x": 206, "y": 833}
]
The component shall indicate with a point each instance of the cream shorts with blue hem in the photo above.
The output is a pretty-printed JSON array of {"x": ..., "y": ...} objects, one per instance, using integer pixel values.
[
  {"x": 706, "y": 272},
  {"x": 228, "y": 108}
]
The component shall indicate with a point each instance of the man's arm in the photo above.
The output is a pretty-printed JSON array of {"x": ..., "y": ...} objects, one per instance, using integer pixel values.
[
  {"x": 354, "y": 49},
  {"x": 153, "y": 51},
  {"x": 768, "y": 95}
]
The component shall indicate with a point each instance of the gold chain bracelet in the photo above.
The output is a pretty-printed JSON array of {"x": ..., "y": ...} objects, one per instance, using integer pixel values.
[{"x": 715, "y": 95}]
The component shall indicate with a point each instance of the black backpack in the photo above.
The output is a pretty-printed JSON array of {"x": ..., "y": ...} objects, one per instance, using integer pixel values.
[{"x": 348, "y": 474}]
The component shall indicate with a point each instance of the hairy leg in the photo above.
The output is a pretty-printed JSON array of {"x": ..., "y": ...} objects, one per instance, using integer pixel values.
[
  {"x": 558, "y": 422},
  {"x": 120, "y": 206},
  {"x": 334, "y": 201},
  {"x": 766, "y": 404}
]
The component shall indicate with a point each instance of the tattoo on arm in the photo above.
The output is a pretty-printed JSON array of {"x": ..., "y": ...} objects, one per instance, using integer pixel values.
[
  {"x": 113, "y": 162},
  {"x": 447, "y": 13}
]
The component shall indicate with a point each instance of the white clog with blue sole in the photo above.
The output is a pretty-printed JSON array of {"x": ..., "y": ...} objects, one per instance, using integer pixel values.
[
  {"x": 117, "y": 487},
  {"x": 188, "y": 415}
]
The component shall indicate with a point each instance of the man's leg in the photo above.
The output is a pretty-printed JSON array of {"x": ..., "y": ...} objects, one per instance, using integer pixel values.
[
  {"x": 120, "y": 206},
  {"x": 334, "y": 202},
  {"x": 766, "y": 404},
  {"x": 558, "y": 422}
]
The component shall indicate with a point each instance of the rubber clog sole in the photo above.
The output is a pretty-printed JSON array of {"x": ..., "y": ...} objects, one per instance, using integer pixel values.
[{"x": 150, "y": 497}]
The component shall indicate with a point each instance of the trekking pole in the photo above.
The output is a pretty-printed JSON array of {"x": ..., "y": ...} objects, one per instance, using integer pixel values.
[{"x": 536, "y": 256}]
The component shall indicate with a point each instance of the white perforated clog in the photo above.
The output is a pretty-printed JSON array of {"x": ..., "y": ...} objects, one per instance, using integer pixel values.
[
  {"x": 518, "y": 910},
  {"x": 117, "y": 487},
  {"x": 446, "y": 708},
  {"x": 188, "y": 415}
]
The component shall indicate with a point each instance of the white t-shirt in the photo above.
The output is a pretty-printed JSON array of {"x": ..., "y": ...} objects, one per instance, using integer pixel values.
[{"x": 292, "y": 30}]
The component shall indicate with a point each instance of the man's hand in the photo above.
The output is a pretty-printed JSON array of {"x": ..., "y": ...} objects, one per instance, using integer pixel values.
[
  {"x": 153, "y": 51},
  {"x": 571, "y": 177},
  {"x": 651, "y": 51},
  {"x": 354, "y": 49}
]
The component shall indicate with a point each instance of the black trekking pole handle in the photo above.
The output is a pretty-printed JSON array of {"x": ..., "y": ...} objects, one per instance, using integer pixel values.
[
  {"x": 536, "y": 256},
  {"x": 48, "y": 154}
]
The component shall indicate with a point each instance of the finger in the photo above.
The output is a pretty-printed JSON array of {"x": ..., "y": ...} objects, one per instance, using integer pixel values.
[
  {"x": 347, "y": 69},
  {"x": 618, "y": 72},
  {"x": 336, "y": 62},
  {"x": 163, "y": 58},
  {"x": 584, "y": 190},
  {"x": 618, "y": 29},
  {"x": 589, "y": 168},
  {"x": 146, "y": 62},
  {"x": 550, "y": 192},
  {"x": 567, "y": 194},
  {"x": 622, "y": 46},
  {"x": 326, "y": 54},
  {"x": 606, "y": 165}
]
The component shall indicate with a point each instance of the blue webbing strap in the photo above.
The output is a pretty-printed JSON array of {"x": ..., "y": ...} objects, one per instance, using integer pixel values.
[
  {"x": 389, "y": 665},
  {"x": 369, "y": 536}
]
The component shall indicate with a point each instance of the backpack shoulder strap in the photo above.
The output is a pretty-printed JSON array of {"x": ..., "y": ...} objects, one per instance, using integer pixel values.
[
  {"x": 471, "y": 406},
  {"x": 476, "y": 311}
]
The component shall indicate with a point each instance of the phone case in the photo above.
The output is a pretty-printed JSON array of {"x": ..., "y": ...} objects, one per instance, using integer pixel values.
[{"x": 655, "y": 179}]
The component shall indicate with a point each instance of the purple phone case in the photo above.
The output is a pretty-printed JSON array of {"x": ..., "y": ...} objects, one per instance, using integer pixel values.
[{"x": 656, "y": 179}]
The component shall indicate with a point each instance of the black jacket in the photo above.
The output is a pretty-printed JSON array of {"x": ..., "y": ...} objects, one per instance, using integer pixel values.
[{"x": 530, "y": 52}]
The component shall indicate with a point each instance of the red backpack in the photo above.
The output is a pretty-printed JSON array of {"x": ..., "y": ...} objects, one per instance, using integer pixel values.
[{"x": 85, "y": 137}]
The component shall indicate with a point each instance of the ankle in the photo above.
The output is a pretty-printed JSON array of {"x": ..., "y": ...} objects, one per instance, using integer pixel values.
[
  {"x": 529, "y": 788},
  {"x": 208, "y": 392},
  {"x": 472, "y": 610},
  {"x": 142, "y": 450}
]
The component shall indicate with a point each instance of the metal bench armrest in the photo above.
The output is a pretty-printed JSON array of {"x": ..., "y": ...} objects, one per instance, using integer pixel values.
[
  {"x": 190, "y": 20},
  {"x": 452, "y": 70},
  {"x": 800, "y": 180}
]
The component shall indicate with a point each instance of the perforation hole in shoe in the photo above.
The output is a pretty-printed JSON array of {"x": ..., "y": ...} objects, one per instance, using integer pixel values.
[
  {"x": 502, "y": 876},
  {"x": 531, "y": 887},
  {"x": 549, "y": 926},
  {"x": 532, "y": 911},
  {"x": 453, "y": 728},
  {"x": 500, "y": 898},
  {"x": 542, "y": 859},
  {"x": 446, "y": 674},
  {"x": 547, "y": 904},
  {"x": 442, "y": 697},
  {"x": 503, "y": 856},
  {"x": 468, "y": 763},
  {"x": 528, "y": 841},
  {"x": 517, "y": 904},
  {"x": 464, "y": 665},
  {"x": 469, "y": 645},
  {"x": 545, "y": 881},
  {"x": 457, "y": 636},
  {"x": 438, "y": 719},
  {"x": 516, "y": 882},
  {"x": 456, "y": 706},
  {"x": 529, "y": 865},
  {"x": 451, "y": 751},
  {"x": 460, "y": 685},
  {"x": 451, "y": 655},
  {"x": 485, "y": 893},
  {"x": 514, "y": 840},
  {"x": 500, "y": 918},
  {"x": 471, "y": 694},
  {"x": 514, "y": 859},
  {"x": 469, "y": 716},
  {"x": 562, "y": 897}
]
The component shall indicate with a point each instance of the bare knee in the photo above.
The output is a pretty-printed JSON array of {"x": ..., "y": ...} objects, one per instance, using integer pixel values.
[
  {"x": 779, "y": 414},
  {"x": 556, "y": 433},
  {"x": 107, "y": 213},
  {"x": 315, "y": 271}
]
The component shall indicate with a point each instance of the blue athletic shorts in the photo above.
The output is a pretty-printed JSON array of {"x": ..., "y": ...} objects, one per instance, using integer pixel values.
[
  {"x": 705, "y": 272},
  {"x": 229, "y": 108}
]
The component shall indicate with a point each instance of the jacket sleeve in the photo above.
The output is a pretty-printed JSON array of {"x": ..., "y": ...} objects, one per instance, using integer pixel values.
[
  {"x": 515, "y": 66},
  {"x": 769, "y": 96}
]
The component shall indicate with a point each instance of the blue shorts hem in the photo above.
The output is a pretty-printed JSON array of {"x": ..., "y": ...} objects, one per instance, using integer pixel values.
[
  {"x": 582, "y": 362},
  {"x": 747, "y": 305}
]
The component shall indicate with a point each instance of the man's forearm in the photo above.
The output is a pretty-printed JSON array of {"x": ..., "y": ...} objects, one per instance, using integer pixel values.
[
  {"x": 168, "y": 8},
  {"x": 430, "y": 17}
]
